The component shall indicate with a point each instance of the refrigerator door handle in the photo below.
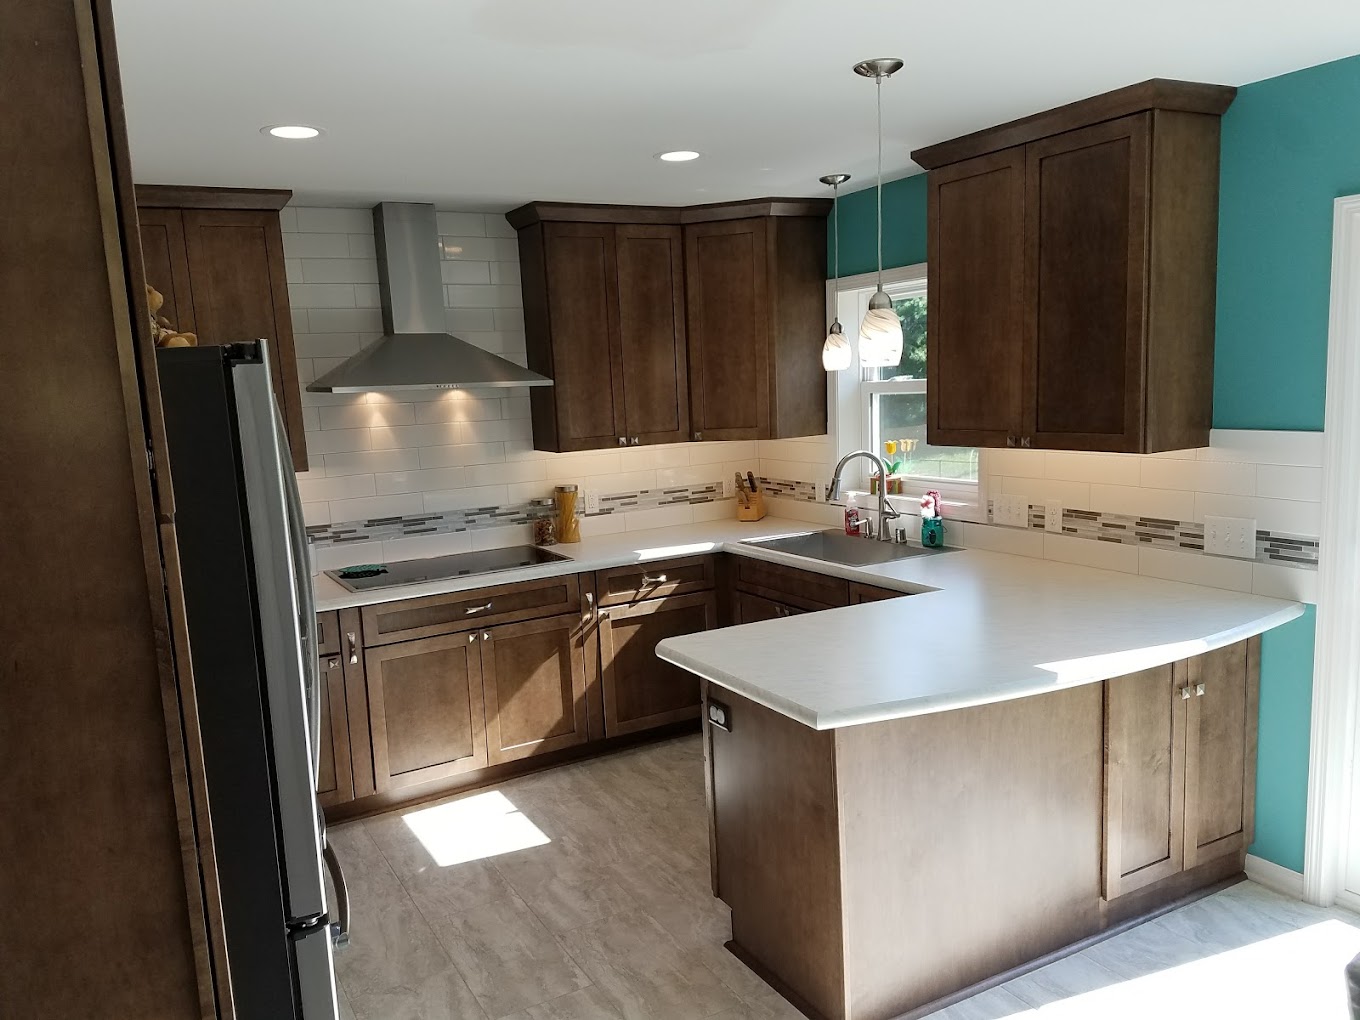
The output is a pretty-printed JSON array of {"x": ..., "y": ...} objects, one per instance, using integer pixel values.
[{"x": 286, "y": 628}]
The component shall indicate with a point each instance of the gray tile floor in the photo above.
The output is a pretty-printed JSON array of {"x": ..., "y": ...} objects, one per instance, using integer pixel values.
[{"x": 582, "y": 893}]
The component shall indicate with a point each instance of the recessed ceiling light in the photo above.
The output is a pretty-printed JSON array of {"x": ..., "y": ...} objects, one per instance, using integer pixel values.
[
  {"x": 291, "y": 131},
  {"x": 678, "y": 156}
]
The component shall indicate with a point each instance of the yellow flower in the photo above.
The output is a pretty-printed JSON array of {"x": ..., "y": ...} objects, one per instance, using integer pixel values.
[{"x": 890, "y": 446}]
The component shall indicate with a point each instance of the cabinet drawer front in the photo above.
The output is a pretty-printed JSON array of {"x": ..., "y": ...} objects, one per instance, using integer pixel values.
[
  {"x": 619, "y": 585},
  {"x": 328, "y": 633},
  {"x": 802, "y": 588},
  {"x": 426, "y": 710},
  {"x": 389, "y": 622}
]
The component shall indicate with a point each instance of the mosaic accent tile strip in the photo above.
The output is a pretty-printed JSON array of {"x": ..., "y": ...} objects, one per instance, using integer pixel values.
[
  {"x": 479, "y": 518},
  {"x": 787, "y": 489},
  {"x": 1181, "y": 536}
]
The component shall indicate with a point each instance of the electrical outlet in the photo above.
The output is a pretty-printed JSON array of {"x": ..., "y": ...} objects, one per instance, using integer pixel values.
[
  {"x": 1053, "y": 517},
  {"x": 592, "y": 498},
  {"x": 1010, "y": 511},
  {"x": 1230, "y": 536}
]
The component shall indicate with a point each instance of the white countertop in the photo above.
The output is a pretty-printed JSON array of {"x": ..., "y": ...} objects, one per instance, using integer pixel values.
[{"x": 983, "y": 627}]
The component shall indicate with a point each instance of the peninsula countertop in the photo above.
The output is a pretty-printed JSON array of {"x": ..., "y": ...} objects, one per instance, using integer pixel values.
[{"x": 979, "y": 627}]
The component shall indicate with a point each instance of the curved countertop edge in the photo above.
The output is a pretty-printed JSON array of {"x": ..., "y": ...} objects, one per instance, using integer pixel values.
[{"x": 1039, "y": 682}]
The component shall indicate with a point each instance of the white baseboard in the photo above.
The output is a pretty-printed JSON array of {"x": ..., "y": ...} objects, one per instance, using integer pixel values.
[{"x": 1275, "y": 877}]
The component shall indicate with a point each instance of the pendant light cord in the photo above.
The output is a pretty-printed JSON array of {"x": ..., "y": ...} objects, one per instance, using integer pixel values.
[
  {"x": 836, "y": 229},
  {"x": 878, "y": 81}
]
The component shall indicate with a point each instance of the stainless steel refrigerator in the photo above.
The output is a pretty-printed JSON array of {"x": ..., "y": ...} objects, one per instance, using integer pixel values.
[{"x": 252, "y": 632}]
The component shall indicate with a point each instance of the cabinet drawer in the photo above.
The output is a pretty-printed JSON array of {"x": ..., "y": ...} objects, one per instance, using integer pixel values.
[
  {"x": 408, "y": 619},
  {"x": 637, "y": 581},
  {"x": 801, "y": 588},
  {"x": 872, "y": 593},
  {"x": 327, "y": 633}
]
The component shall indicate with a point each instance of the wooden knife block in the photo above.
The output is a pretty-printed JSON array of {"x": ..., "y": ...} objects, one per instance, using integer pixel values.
[{"x": 755, "y": 511}]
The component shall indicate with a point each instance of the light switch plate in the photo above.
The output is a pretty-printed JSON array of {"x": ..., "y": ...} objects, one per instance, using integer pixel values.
[
  {"x": 1053, "y": 517},
  {"x": 592, "y": 498},
  {"x": 1010, "y": 511},
  {"x": 1230, "y": 536}
]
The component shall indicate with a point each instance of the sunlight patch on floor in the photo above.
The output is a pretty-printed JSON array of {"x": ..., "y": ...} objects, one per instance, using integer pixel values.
[
  {"x": 1294, "y": 975},
  {"x": 483, "y": 825}
]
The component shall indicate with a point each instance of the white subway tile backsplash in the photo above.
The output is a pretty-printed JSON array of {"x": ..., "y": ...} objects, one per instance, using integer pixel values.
[
  {"x": 455, "y": 456},
  {"x": 361, "y": 246},
  {"x": 339, "y": 270},
  {"x": 408, "y": 436},
  {"x": 497, "y": 474},
  {"x": 510, "y": 318},
  {"x": 1249, "y": 446},
  {"x": 1283, "y": 582},
  {"x": 316, "y": 246},
  {"x": 1136, "y": 501},
  {"x": 1215, "y": 504},
  {"x": 497, "y": 226},
  {"x": 1224, "y": 477},
  {"x": 338, "y": 441},
  {"x": 1280, "y": 482},
  {"x": 421, "y": 481},
  {"x": 334, "y": 221},
  {"x": 462, "y": 407},
  {"x": 326, "y": 345},
  {"x": 466, "y": 272},
  {"x": 1086, "y": 553},
  {"x": 660, "y": 517},
  {"x": 461, "y": 321},
  {"x": 459, "y": 224},
  {"x": 642, "y": 457},
  {"x": 344, "y": 320},
  {"x": 364, "y": 415},
  {"x": 481, "y": 296},
  {"x": 314, "y": 490},
  {"x": 1106, "y": 468},
  {"x": 463, "y": 498},
  {"x": 1072, "y": 495},
  {"x": 506, "y": 273},
  {"x": 475, "y": 249},
  {"x": 370, "y": 461},
  {"x": 1288, "y": 516},
  {"x": 414, "y": 547},
  {"x": 376, "y": 506},
  {"x": 1214, "y": 571}
]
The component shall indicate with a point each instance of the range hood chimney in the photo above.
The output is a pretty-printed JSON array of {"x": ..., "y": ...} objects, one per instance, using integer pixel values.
[{"x": 414, "y": 352}]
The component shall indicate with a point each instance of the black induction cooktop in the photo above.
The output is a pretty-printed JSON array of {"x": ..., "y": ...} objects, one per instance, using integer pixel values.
[{"x": 368, "y": 576}]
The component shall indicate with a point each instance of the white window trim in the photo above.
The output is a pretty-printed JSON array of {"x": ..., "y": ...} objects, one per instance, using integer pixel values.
[{"x": 849, "y": 416}]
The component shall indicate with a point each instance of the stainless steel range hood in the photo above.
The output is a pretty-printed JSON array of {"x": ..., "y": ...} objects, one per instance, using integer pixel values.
[{"x": 414, "y": 352}]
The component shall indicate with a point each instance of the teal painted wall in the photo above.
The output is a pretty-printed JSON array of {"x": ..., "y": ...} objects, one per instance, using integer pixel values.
[
  {"x": 1282, "y": 746},
  {"x": 1290, "y": 146}
]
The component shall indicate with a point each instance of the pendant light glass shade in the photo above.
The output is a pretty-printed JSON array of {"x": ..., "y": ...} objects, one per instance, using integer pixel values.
[
  {"x": 836, "y": 351},
  {"x": 880, "y": 334}
]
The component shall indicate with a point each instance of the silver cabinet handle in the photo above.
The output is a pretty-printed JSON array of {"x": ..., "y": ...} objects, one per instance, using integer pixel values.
[
  {"x": 1199, "y": 690},
  {"x": 1185, "y": 693},
  {"x": 353, "y": 642},
  {"x": 648, "y": 580},
  {"x": 486, "y": 635},
  {"x": 474, "y": 610},
  {"x": 333, "y": 662}
]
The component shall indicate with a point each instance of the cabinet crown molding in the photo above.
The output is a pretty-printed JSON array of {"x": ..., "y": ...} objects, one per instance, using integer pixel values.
[
  {"x": 567, "y": 212},
  {"x": 175, "y": 196},
  {"x": 1153, "y": 94}
]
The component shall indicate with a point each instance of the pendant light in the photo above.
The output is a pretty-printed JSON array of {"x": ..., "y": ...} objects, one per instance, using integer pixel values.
[
  {"x": 836, "y": 352},
  {"x": 880, "y": 335}
]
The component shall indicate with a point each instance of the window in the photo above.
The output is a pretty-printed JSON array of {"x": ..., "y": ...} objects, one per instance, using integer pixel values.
[{"x": 889, "y": 404}]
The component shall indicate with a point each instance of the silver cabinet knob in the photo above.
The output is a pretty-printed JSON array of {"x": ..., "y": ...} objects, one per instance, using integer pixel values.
[
  {"x": 472, "y": 638},
  {"x": 623, "y": 440},
  {"x": 636, "y": 441},
  {"x": 1010, "y": 441},
  {"x": 1024, "y": 442},
  {"x": 486, "y": 635},
  {"x": 698, "y": 437},
  {"x": 1199, "y": 690},
  {"x": 1185, "y": 693}
]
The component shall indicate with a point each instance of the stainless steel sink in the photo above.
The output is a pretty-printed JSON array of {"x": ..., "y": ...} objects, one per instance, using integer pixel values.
[{"x": 838, "y": 547}]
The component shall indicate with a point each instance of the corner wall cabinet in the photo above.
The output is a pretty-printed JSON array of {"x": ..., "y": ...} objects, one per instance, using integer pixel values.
[
  {"x": 1072, "y": 275},
  {"x": 662, "y": 325},
  {"x": 216, "y": 254}
]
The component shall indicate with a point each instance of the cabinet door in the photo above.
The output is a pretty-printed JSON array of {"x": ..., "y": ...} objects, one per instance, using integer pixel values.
[
  {"x": 1145, "y": 717},
  {"x": 651, "y": 296},
  {"x": 640, "y": 690},
  {"x": 1220, "y": 757},
  {"x": 1086, "y": 216},
  {"x": 240, "y": 293},
  {"x": 167, "y": 264},
  {"x": 534, "y": 681},
  {"x": 726, "y": 288},
  {"x": 426, "y": 710},
  {"x": 334, "y": 781},
  {"x": 583, "y": 317},
  {"x": 975, "y": 322},
  {"x": 754, "y": 608}
]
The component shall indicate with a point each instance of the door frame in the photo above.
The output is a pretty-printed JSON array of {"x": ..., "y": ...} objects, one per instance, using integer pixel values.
[{"x": 1336, "y": 662}]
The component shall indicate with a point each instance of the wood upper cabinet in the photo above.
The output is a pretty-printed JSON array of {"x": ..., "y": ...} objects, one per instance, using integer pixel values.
[
  {"x": 661, "y": 325},
  {"x": 426, "y": 710},
  {"x": 640, "y": 690},
  {"x": 216, "y": 254},
  {"x": 1072, "y": 275},
  {"x": 534, "y": 685},
  {"x": 1180, "y": 765},
  {"x": 604, "y": 318},
  {"x": 975, "y": 301}
]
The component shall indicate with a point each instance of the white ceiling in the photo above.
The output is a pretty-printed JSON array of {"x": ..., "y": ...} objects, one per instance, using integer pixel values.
[{"x": 484, "y": 104}]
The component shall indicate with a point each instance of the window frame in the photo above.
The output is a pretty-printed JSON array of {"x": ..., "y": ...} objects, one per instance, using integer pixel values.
[{"x": 851, "y": 394}]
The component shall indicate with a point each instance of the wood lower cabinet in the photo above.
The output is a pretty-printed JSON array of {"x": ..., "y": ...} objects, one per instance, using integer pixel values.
[
  {"x": 534, "y": 686},
  {"x": 641, "y": 691},
  {"x": 748, "y": 608},
  {"x": 334, "y": 778},
  {"x": 426, "y": 710},
  {"x": 216, "y": 255},
  {"x": 1180, "y": 760}
]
